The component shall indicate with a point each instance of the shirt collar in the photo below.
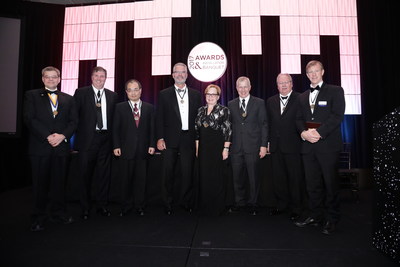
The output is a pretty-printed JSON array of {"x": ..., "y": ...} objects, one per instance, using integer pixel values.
[
  {"x": 319, "y": 84},
  {"x": 176, "y": 87},
  {"x": 288, "y": 95},
  {"x": 95, "y": 89},
  {"x": 52, "y": 90},
  {"x": 246, "y": 98},
  {"x": 137, "y": 102}
]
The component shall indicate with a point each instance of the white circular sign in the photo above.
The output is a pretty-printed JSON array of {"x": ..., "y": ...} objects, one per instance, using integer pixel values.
[{"x": 207, "y": 62}]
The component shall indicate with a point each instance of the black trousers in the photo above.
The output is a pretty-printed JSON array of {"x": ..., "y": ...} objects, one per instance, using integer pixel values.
[
  {"x": 186, "y": 153},
  {"x": 288, "y": 181},
  {"x": 48, "y": 183},
  {"x": 321, "y": 173},
  {"x": 133, "y": 173},
  {"x": 240, "y": 163},
  {"x": 95, "y": 171}
]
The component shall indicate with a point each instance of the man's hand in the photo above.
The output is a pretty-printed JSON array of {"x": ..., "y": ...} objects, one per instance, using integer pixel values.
[
  {"x": 161, "y": 144},
  {"x": 117, "y": 152},
  {"x": 55, "y": 139},
  {"x": 151, "y": 150},
  {"x": 311, "y": 135},
  {"x": 263, "y": 151}
]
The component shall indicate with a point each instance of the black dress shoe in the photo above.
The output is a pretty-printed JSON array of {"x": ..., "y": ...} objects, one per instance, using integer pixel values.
[
  {"x": 140, "y": 211},
  {"x": 168, "y": 210},
  {"x": 62, "y": 219},
  {"x": 308, "y": 221},
  {"x": 294, "y": 216},
  {"x": 275, "y": 212},
  {"x": 253, "y": 211},
  {"x": 188, "y": 209},
  {"x": 37, "y": 226},
  {"x": 234, "y": 209},
  {"x": 85, "y": 215},
  {"x": 329, "y": 228},
  {"x": 104, "y": 212}
]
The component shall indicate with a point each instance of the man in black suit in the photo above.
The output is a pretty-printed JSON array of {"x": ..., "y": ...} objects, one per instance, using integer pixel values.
[
  {"x": 249, "y": 143},
  {"x": 133, "y": 141},
  {"x": 284, "y": 146},
  {"x": 321, "y": 113},
  {"x": 51, "y": 118},
  {"x": 175, "y": 133},
  {"x": 93, "y": 141}
]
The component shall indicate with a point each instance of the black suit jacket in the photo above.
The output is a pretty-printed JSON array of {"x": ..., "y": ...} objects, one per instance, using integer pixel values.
[
  {"x": 283, "y": 133},
  {"x": 168, "y": 122},
  {"x": 251, "y": 132},
  {"x": 329, "y": 111},
  {"x": 85, "y": 102},
  {"x": 133, "y": 141},
  {"x": 41, "y": 123}
]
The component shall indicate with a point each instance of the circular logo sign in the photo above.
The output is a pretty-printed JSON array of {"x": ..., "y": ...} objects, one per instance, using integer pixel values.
[{"x": 207, "y": 62}]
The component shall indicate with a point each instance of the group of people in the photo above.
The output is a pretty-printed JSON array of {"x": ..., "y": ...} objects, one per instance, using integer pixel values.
[{"x": 301, "y": 133}]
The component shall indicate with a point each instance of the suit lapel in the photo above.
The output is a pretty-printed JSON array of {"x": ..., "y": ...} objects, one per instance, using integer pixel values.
[
  {"x": 250, "y": 106},
  {"x": 46, "y": 101},
  {"x": 174, "y": 102},
  {"x": 320, "y": 94}
]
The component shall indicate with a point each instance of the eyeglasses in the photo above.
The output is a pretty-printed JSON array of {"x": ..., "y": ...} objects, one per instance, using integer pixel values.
[
  {"x": 180, "y": 72},
  {"x": 133, "y": 90},
  {"x": 283, "y": 83},
  {"x": 212, "y": 94},
  {"x": 50, "y": 77}
]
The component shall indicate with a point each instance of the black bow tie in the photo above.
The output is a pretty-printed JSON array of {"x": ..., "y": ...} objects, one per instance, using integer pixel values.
[
  {"x": 284, "y": 97},
  {"x": 312, "y": 89},
  {"x": 51, "y": 92},
  {"x": 181, "y": 90}
]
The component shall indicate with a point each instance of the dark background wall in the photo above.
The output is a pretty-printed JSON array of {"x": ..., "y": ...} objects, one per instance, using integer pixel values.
[{"x": 41, "y": 45}]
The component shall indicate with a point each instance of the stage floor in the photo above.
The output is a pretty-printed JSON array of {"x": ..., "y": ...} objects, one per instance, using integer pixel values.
[{"x": 185, "y": 240}]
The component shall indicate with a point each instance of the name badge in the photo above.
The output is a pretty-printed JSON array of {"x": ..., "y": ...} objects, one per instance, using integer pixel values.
[{"x": 322, "y": 103}]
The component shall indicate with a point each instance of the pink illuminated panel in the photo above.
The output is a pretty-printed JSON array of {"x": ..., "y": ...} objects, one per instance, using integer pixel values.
[
  {"x": 89, "y": 34},
  {"x": 302, "y": 22}
]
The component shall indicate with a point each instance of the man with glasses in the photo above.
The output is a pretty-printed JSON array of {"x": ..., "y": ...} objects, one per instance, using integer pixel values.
[
  {"x": 51, "y": 118},
  {"x": 133, "y": 141},
  {"x": 175, "y": 134},
  {"x": 284, "y": 146}
]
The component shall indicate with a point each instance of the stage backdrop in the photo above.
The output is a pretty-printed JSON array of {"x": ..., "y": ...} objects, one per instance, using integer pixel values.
[{"x": 43, "y": 34}]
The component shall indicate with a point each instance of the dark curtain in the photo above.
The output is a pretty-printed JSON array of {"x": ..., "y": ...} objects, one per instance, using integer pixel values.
[
  {"x": 378, "y": 46},
  {"x": 41, "y": 46}
]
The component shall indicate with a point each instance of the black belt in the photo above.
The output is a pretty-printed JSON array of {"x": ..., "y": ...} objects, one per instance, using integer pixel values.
[{"x": 102, "y": 131}]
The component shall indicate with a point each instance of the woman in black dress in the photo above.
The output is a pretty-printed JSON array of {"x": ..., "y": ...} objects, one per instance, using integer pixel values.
[{"x": 213, "y": 129}]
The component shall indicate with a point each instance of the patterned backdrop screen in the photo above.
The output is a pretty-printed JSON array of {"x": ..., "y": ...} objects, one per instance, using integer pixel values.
[{"x": 90, "y": 34}]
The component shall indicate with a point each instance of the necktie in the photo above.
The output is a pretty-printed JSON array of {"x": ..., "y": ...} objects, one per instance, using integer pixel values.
[
  {"x": 284, "y": 97},
  {"x": 243, "y": 108},
  {"x": 136, "y": 115},
  {"x": 312, "y": 89},
  {"x": 98, "y": 111}
]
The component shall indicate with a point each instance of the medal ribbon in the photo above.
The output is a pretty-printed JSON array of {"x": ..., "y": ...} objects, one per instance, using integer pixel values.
[{"x": 53, "y": 101}]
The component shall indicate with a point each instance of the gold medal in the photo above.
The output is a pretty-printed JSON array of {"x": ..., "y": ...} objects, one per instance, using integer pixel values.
[
  {"x": 312, "y": 106},
  {"x": 182, "y": 101},
  {"x": 244, "y": 114},
  {"x": 136, "y": 118},
  {"x": 205, "y": 124},
  {"x": 98, "y": 105},
  {"x": 55, "y": 112}
]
